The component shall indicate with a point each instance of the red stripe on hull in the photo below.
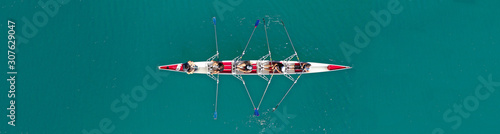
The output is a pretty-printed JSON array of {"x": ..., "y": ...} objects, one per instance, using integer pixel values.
[{"x": 227, "y": 68}]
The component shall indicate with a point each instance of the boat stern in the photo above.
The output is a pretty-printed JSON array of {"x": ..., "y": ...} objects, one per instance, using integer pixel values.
[
  {"x": 172, "y": 67},
  {"x": 202, "y": 67}
]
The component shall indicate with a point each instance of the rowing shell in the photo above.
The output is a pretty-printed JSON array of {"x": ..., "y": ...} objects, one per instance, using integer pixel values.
[{"x": 258, "y": 68}]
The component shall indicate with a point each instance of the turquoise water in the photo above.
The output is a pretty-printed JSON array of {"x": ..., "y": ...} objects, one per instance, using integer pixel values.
[{"x": 76, "y": 67}]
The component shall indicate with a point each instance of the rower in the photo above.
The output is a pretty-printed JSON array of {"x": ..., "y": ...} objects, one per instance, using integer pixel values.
[
  {"x": 216, "y": 67},
  {"x": 245, "y": 67},
  {"x": 304, "y": 66},
  {"x": 278, "y": 67},
  {"x": 190, "y": 67}
]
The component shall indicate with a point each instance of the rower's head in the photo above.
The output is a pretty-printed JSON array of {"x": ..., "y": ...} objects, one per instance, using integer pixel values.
[
  {"x": 249, "y": 67},
  {"x": 307, "y": 67}
]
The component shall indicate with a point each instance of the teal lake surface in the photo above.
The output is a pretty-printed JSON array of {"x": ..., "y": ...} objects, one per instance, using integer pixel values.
[{"x": 433, "y": 68}]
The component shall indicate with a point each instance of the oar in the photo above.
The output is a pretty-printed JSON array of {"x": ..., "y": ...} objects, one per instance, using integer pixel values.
[
  {"x": 256, "y": 112},
  {"x": 290, "y": 39},
  {"x": 291, "y": 43},
  {"x": 217, "y": 89},
  {"x": 256, "y": 24},
  {"x": 216, "y": 44},
  {"x": 216, "y": 96},
  {"x": 271, "y": 59}
]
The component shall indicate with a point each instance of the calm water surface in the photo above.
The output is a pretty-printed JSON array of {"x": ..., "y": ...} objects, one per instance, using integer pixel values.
[{"x": 432, "y": 66}]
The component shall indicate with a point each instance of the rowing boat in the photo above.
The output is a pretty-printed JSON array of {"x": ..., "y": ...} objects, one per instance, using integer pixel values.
[
  {"x": 261, "y": 67},
  {"x": 258, "y": 67}
]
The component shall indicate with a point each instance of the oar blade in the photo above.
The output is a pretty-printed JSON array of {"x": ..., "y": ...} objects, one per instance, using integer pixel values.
[
  {"x": 215, "y": 115},
  {"x": 213, "y": 19},
  {"x": 256, "y": 112}
]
